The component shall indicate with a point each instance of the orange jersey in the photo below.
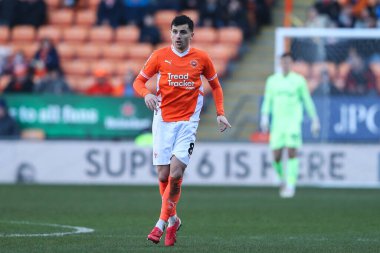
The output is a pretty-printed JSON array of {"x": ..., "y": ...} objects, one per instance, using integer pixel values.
[{"x": 179, "y": 84}]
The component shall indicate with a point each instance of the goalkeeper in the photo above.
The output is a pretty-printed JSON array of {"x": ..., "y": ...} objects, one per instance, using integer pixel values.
[{"x": 285, "y": 94}]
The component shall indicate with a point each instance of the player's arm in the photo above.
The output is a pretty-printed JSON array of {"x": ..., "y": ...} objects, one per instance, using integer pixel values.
[
  {"x": 310, "y": 107},
  {"x": 149, "y": 69},
  {"x": 217, "y": 94},
  {"x": 266, "y": 107}
]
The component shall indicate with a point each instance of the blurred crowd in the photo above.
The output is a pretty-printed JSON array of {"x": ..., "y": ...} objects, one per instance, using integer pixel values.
[
  {"x": 344, "y": 14},
  {"x": 340, "y": 66},
  {"x": 43, "y": 72}
]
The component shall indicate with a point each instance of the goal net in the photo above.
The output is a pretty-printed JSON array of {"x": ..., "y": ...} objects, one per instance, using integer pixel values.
[
  {"x": 342, "y": 69},
  {"x": 327, "y": 58}
]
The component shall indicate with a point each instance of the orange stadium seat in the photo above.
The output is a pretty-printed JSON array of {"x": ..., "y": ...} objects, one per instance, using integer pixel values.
[
  {"x": 61, "y": 17},
  {"x": 161, "y": 45},
  {"x": 230, "y": 35},
  {"x": 129, "y": 34},
  {"x": 165, "y": 35},
  {"x": 105, "y": 65},
  {"x": 93, "y": 4},
  {"x": 79, "y": 83},
  {"x": 202, "y": 46},
  {"x": 81, "y": 4},
  {"x": 51, "y": 32},
  {"x": 220, "y": 52},
  {"x": 85, "y": 18},
  {"x": 193, "y": 14},
  {"x": 205, "y": 35},
  {"x": 115, "y": 52},
  {"x": 123, "y": 66},
  {"x": 343, "y": 69},
  {"x": 101, "y": 35},
  {"x": 76, "y": 68},
  {"x": 75, "y": 34},
  {"x": 163, "y": 18},
  {"x": 89, "y": 51},
  {"x": 30, "y": 49},
  {"x": 66, "y": 51},
  {"x": 4, "y": 81},
  {"x": 375, "y": 67},
  {"x": 140, "y": 51},
  {"x": 23, "y": 33},
  {"x": 332, "y": 69},
  {"x": 53, "y": 4},
  {"x": 4, "y": 34},
  {"x": 220, "y": 67},
  {"x": 301, "y": 68},
  {"x": 317, "y": 69}
]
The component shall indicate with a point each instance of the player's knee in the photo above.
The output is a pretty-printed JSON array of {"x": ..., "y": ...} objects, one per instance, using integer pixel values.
[
  {"x": 163, "y": 177},
  {"x": 163, "y": 173},
  {"x": 176, "y": 172}
]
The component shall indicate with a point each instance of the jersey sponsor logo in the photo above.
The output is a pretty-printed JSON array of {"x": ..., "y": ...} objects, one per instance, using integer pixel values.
[
  {"x": 180, "y": 80},
  {"x": 194, "y": 63}
]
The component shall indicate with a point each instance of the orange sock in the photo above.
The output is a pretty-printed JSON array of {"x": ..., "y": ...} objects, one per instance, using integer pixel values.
[
  {"x": 162, "y": 186},
  {"x": 170, "y": 198}
]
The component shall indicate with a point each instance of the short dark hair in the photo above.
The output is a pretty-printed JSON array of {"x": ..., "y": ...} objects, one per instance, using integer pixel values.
[
  {"x": 183, "y": 20},
  {"x": 287, "y": 54}
]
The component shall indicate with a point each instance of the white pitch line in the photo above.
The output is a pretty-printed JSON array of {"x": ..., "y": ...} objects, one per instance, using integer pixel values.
[{"x": 76, "y": 230}]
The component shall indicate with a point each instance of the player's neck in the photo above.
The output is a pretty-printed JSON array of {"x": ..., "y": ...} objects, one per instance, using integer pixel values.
[
  {"x": 286, "y": 72},
  {"x": 181, "y": 51}
]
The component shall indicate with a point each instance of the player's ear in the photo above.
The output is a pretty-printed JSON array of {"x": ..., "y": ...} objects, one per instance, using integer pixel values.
[{"x": 192, "y": 35}]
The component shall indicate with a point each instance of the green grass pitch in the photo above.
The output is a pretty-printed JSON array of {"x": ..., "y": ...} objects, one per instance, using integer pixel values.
[{"x": 215, "y": 219}]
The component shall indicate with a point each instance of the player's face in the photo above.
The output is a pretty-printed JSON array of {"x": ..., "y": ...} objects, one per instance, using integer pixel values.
[
  {"x": 286, "y": 64},
  {"x": 181, "y": 36}
]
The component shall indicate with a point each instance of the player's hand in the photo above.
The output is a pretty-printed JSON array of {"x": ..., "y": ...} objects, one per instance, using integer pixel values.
[
  {"x": 264, "y": 123},
  {"x": 151, "y": 102},
  {"x": 222, "y": 123},
  {"x": 315, "y": 127}
]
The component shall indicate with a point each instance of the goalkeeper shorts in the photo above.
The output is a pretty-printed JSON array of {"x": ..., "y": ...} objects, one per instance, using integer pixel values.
[{"x": 282, "y": 139}]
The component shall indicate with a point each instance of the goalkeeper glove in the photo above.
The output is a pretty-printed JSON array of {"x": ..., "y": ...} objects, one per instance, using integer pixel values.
[
  {"x": 264, "y": 123},
  {"x": 315, "y": 127}
]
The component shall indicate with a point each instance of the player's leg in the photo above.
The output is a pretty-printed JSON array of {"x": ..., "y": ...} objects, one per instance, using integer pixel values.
[
  {"x": 182, "y": 150},
  {"x": 292, "y": 172},
  {"x": 277, "y": 163},
  {"x": 293, "y": 142},
  {"x": 277, "y": 143},
  {"x": 170, "y": 200},
  {"x": 163, "y": 178},
  {"x": 163, "y": 139}
]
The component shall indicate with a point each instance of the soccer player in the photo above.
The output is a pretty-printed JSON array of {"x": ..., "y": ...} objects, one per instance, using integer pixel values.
[
  {"x": 285, "y": 95},
  {"x": 177, "y": 105}
]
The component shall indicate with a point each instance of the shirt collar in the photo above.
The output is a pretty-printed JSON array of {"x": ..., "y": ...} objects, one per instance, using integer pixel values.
[{"x": 184, "y": 53}]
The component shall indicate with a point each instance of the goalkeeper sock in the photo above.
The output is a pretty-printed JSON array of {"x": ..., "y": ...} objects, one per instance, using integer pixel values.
[
  {"x": 278, "y": 167},
  {"x": 292, "y": 171}
]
